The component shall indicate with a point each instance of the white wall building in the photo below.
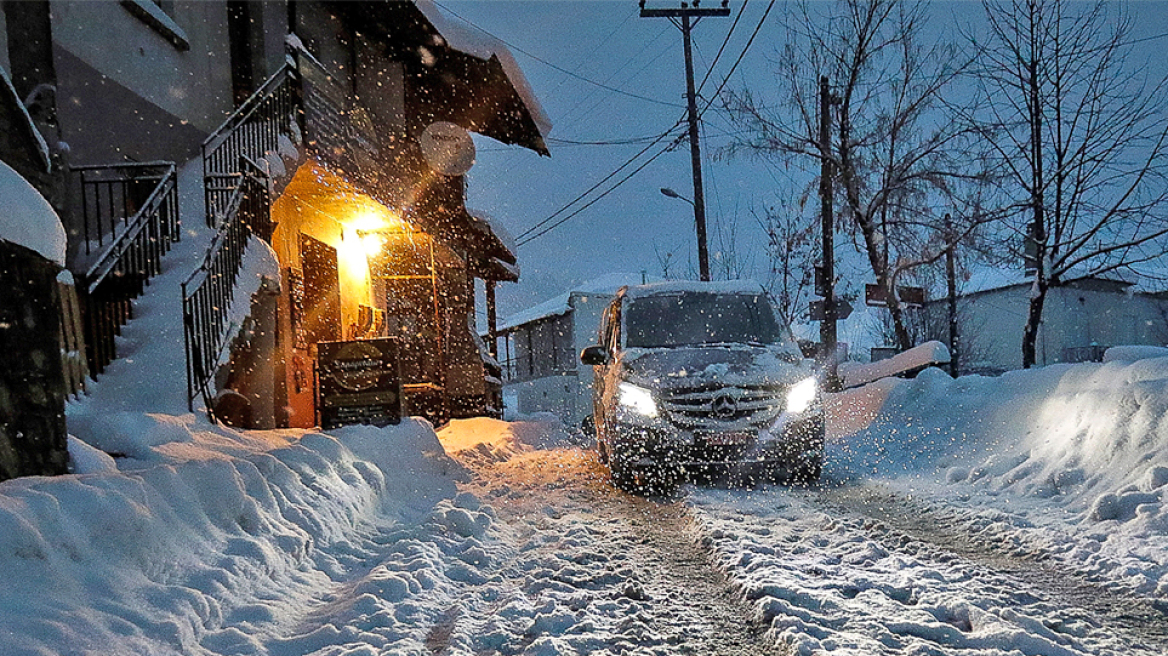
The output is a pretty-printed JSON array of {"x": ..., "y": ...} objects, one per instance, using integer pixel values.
[
  {"x": 540, "y": 350},
  {"x": 1080, "y": 320}
]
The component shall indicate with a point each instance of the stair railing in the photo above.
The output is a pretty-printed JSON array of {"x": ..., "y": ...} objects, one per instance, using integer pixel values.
[
  {"x": 251, "y": 132},
  {"x": 131, "y": 217},
  {"x": 208, "y": 293}
]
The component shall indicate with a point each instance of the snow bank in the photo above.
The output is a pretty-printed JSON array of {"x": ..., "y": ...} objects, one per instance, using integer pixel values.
[
  {"x": 911, "y": 361},
  {"x": 205, "y": 530},
  {"x": 1080, "y": 448},
  {"x": 1132, "y": 353}
]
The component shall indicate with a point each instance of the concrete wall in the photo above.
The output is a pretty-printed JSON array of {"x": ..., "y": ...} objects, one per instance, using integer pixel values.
[
  {"x": 32, "y": 382},
  {"x": 126, "y": 91}
]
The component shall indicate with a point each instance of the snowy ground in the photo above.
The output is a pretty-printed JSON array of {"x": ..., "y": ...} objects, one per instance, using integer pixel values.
[
  {"x": 493, "y": 537},
  {"x": 1020, "y": 515}
]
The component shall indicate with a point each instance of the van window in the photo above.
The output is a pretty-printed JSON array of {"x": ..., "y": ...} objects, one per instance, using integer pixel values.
[{"x": 693, "y": 318}]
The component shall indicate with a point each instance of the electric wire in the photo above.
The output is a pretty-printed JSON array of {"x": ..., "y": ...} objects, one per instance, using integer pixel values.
[
  {"x": 545, "y": 226},
  {"x": 530, "y": 233},
  {"x": 556, "y": 67},
  {"x": 722, "y": 48},
  {"x": 521, "y": 242}
]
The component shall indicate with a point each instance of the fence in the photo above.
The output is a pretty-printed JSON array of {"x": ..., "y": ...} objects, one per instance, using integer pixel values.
[
  {"x": 251, "y": 132},
  {"x": 208, "y": 293},
  {"x": 131, "y": 218}
]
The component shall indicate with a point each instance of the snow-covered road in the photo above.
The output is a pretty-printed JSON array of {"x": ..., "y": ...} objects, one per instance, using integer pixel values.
[
  {"x": 844, "y": 567},
  {"x": 1023, "y": 515}
]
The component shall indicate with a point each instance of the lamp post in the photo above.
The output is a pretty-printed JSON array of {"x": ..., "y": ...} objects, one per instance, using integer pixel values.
[{"x": 666, "y": 191}]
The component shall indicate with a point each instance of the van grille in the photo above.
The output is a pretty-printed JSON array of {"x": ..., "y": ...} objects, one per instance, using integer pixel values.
[{"x": 722, "y": 408}]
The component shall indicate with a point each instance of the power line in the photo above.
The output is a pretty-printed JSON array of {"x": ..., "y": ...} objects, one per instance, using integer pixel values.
[
  {"x": 722, "y": 48},
  {"x": 528, "y": 235},
  {"x": 546, "y": 225},
  {"x": 520, "y": 242},
  {"x": 738, "y": 61},
  {"x": 559, "y": 68}
]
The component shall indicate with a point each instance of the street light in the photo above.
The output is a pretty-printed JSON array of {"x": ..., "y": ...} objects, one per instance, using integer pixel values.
[{"x": 673, "y": 194}]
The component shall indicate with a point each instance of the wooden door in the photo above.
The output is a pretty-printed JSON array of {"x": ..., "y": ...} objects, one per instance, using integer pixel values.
[{"x": 322, "y": 294}]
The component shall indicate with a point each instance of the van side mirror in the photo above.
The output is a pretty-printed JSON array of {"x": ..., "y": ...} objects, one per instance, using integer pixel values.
[{"x": 594, "y": 355}]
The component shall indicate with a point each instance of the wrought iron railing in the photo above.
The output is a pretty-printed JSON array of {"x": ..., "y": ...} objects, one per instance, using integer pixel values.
[
  {"x": 252, "y": 131},
  {"x": 131, "y": 218},
  {"x": 208, "y": 293}
]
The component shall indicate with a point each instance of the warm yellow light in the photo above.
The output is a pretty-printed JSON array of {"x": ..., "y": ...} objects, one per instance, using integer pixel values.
[{"x": 372, "y": 242}]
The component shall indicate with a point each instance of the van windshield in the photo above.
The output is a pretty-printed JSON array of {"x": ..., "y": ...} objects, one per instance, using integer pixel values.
[{"x": 693, "y": 318}]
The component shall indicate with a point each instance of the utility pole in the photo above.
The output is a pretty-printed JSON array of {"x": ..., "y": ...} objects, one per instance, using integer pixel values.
[
  {"x": 951, "y": 278},
  {"x": 827, "y": 327},
  {"x": 685, "y": 13}
]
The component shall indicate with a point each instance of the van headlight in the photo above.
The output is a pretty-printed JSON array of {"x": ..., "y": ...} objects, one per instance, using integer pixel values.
[
  {"x": 802, "y": 395},
  {"x": 637, "y": 399}
]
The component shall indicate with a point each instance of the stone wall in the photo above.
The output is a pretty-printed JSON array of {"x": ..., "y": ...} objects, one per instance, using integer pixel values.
[{"x": 32, "y": 384}]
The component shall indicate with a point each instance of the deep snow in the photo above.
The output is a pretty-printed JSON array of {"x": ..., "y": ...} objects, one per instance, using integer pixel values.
[
  {"x": 200, "y": 539},
  {"x": 214, "y": 541}
]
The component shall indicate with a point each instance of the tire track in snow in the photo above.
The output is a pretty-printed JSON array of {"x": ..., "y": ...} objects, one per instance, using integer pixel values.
[
  {"x": 1145, "y": 625},
  {"x": 664, "y": 594}
]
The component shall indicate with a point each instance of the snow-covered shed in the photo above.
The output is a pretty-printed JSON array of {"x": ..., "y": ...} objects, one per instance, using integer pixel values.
[{"x": 541, "y": 346}]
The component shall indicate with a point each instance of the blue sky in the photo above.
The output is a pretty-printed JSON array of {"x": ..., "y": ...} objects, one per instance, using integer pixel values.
[{"x": 604, "y": 74}]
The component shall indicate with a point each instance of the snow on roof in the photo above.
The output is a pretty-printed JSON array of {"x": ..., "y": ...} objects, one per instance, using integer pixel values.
[
  {"x": 677, "y": 286},
  {"x": 29, "y": 220},
  {"x": 492, "y": 225},
  {"x": 606, "y": 285},
  {"x": 994, "y": 278},
  {"x": 484, "y": 46}
]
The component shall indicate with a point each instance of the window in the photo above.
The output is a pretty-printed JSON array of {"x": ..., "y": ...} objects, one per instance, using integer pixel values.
[{"x": 156, "y": 14}]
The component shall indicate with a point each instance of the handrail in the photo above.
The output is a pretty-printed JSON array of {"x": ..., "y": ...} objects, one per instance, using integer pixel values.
[
  {"x": 124, "y": 268},
  {"x": 112, "y": 194},
  {"x": 157, "y": 206},
  {"x": 209, "y": 291},
  {"x": 251, "y": 105},
  {"x": 251, "y": 131}
]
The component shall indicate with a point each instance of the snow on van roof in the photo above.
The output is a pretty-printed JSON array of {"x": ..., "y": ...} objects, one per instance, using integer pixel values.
[{"x": 679, "y": 286}]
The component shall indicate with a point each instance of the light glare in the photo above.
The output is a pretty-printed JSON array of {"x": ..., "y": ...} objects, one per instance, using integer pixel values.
[{"x": 801, "y": 395}]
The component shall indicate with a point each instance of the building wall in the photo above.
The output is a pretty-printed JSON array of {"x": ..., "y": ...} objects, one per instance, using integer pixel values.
[
  {"x": 4, "y": 61},
  {"x": 1076, "y": 319},
  {"x": 560, "y": 384},
  {"x": 193, "y": 84}
]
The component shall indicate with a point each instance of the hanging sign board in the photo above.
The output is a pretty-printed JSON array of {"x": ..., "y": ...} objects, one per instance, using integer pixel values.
[
  {"x": 448, "y": 148},
  {"x": 358, "y": 382}
]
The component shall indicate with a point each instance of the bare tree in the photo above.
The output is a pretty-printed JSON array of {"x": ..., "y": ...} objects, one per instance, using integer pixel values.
[
  {"x": 791, "y": 250},
  {"x": 893, "y": 154},
  {"x": 1080, "y": 138}
]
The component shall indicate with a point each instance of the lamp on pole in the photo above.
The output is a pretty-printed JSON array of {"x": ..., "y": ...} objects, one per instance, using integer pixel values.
[
  {"x": 689, "y": 16},
  {"x": 666, "y": 191}
]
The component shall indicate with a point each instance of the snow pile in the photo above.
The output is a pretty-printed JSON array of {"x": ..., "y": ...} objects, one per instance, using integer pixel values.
[
  {"x": 209, "y": 539},
  {"x": 1079, "y": 450},
  {"x": 1133, "y": 353},
  {"x": 910, "y": 362},
  {"x": 36, "y": 225},
  {"x": 485, "y": 440}
]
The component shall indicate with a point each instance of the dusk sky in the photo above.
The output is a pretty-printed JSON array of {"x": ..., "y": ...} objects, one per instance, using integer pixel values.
[{"x": 608, "y": 79}]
